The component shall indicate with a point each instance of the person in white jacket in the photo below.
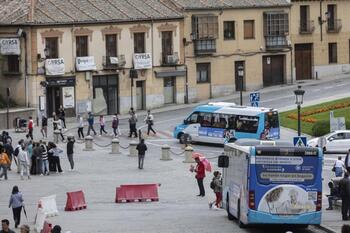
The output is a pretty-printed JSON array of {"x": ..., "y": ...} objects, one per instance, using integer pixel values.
[
  {"x": 23, "y": 161},
  {"x": 149, "y": 119}
]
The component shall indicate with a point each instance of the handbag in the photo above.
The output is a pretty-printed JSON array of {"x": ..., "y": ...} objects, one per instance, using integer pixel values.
[{"x": 333, "y": 169}]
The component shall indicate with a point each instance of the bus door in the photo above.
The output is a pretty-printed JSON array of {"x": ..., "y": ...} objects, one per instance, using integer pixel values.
[
  {"x": 193, "y": 125},
  {"x": 271, "y": 126}
]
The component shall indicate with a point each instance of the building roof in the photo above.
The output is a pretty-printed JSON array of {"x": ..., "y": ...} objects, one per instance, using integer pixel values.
[
  {"x": 227, "y": 4},
  {"x": 83, "y": 11}
]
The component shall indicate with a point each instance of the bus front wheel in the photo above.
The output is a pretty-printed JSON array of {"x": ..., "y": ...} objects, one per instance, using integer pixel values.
[{"x": 229, "y": 215}]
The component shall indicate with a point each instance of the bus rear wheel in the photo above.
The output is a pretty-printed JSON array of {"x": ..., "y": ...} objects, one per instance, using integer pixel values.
[
  {"x": 229, "y": 215},
  {"x": 240, "y": 223}
]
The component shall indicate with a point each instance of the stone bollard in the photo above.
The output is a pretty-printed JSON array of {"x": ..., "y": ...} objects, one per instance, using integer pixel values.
[
  {"x": 165, "y": 152},
  {"x": 115, "y": 146},
  {"x": 132, "y": 149},
  {"x": 88, "y": 143},
  {"x": 188, "y": 155},
  {"x": 56, "y": 134}
]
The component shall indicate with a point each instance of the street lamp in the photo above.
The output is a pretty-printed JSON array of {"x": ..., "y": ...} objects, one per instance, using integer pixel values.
[
  {"x": 241, "y": 75},
  {"x": 299, "y": 95}
]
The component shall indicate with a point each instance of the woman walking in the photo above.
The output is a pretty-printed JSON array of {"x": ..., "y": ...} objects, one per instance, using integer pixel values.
[
  {"x": 4, "y": 163},
  {"x": 80, "y": 127},
  {"x": 338, "y": 167},
  {"x": 16, "y": 202},
  {"x": 62, "y": 115},
  {"x": 216, "y": 185},
  {"x": 57, "y": 125},
  {"x": 24, "y": 162},
  {"x": 102, "y": 125},
  {"x": 115, "y": 126}
]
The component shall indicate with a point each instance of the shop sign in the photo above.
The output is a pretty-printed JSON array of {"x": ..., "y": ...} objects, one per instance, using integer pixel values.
[
  {"x": 85, "y": 63},
  {"x": 142, "y": 61},
  {"x": 68, "y": 97},
  {"x": 54, "y": 66},
  {"x": 10, "y": 46}
]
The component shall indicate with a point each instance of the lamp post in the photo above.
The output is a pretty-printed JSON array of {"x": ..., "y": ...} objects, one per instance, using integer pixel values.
[
  {"x": 299, "y": 95},
  {"x": 241, "y": 75}
]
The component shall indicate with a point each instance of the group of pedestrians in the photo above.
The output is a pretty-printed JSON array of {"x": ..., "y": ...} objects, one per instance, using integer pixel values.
[{"x": 102, "y": 123}]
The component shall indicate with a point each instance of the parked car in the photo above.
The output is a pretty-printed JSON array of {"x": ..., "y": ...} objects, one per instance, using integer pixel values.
[{"x": 338, "y": 140}]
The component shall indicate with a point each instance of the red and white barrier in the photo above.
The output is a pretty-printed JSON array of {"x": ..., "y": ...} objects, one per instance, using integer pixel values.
[{"x": 49, "y": 206}]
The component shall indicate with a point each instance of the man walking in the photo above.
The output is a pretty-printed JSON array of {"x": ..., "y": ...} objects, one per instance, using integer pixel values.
[
  {"x": 344, "y": 189},
  {"x": 132, "y": 124},
  {"x": 149, "y": 119},
  {"x": 9, "y": 151},
  {"x": 200, "y": 174},
  {"x": 91, "y": 124},
  {"x": 80, "y": 127},
  {"x": 23, "y": 161},
  {"x": 141, "y": 148},
  {"x": 70, "y": 148},
  {"x": 5, "y": 225},
  {"x": 30, "y": 127},
  {"x": 44, "y": 126}
]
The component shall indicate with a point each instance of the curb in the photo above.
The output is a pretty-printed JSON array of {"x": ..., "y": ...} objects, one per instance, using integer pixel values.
[{"x": 325, "y": 228}]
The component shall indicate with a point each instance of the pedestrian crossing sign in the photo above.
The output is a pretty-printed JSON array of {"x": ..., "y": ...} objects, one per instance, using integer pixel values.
[{"x": 299, "y": 141}]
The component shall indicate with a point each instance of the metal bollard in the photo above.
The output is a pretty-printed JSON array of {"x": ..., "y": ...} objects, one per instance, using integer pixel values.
[
  {"x": 165, "y": 153},
  {"x": 88, "y": 143},
  {"x": 56, "y": 133},
  {"x": 188, "y": 155},
  {"x": 132, "y": 149},
  {"x": 115, "y": 146}
]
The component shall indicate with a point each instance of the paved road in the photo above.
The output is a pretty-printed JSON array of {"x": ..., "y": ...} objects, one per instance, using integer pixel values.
[{"x": 179, "y": 210}]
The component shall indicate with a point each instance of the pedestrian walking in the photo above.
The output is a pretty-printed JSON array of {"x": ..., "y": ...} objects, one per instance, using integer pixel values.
[
  {"x": 36, "y": 160},
  {"x": 70, "y": 151},
  {"x": 4, "y": 163},
  {"x": 56, "y": 157},
  {"x": 57, "y": 125},
  {"x": 115, "y": 125},
  {"x": 132, "y": 124},
  {"x": 16, "y": 202},
  {"x": 30, "y": 127},
  {"x": 102, "y": 125},
  {"x": 344, "y": 189},
  {"x": 29, "y": 149},
  {"x": 216, "y": 185},
  {"x": 333, "y": 193},
  {"x": 80, "y": 127},
  {"x": 200, "y": 175},
  {"x": 141, "y": 148},
  {"x": 347, "y": 161},
  {"x": 91, "y": 124},
  {"x": 24, "y": 162},
  {"x": 149, "y": 119},
  {"x": 338, "y": 167},
  {"x": 62, "y": 116},
  {"x": 44, "y": 126},
  {"x": 5, "y": 226},
  {"x": 9, "y": 151},
  {"x": 16, "y": 152},
  {"x": 45, "y": 170},
  {"x": 25, "y": 229}
]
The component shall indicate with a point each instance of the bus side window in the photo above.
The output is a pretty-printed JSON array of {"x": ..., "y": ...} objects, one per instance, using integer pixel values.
[
  {"x": 193, "y": 119},
  {"x": 232, "y": 122},
  {"x": 205, "y": 119}
]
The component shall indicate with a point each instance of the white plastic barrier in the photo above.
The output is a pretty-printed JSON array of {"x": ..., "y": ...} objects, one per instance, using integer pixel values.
[
  {"x": 39, "y": 220},
  {"x": 48, "y": 204}
]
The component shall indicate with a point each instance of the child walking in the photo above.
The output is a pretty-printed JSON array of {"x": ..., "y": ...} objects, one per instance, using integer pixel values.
[{"x": 102, "y": 125}]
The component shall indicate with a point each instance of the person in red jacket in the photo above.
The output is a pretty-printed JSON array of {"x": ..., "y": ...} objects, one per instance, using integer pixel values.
[
  {"x": 200, "y": 174},
  {"x": 30, "y": 127}
]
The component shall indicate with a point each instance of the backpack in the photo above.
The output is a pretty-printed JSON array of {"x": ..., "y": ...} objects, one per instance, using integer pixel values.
[
  {"x": 16, "y": 151},
  {"x": 212, "y": 184}
]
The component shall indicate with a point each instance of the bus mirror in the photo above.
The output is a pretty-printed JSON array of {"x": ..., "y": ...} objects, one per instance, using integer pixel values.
[
  {"x": 223, "y": 161},
  {"x": 185, "y": 122}
]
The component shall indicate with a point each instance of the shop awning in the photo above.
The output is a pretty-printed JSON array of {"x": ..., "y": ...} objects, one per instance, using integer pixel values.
[{"x": 170, "y": 73}]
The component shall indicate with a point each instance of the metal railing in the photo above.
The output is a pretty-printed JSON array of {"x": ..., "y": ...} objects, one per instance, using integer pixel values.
[
  {"x": 306, "y": 27},
  {"x": 110, "y": 62},
  {"x": 276, "y": 42},
  {"x": 334, "y": 25}
]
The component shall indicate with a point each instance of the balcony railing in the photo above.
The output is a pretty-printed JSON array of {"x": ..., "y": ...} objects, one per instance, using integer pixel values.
[
  {"x": 113, "y": 63},
  {"x": 334, "y": 25},
  {"x": 276, "y": 42},
  {"x": 306, "y": 27},
  {"x": 170, "y": 60},
  {"x": 204, "y": 46}
]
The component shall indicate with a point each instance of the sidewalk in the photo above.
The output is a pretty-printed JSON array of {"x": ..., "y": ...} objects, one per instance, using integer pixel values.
[{"x": 332, "y": 220}]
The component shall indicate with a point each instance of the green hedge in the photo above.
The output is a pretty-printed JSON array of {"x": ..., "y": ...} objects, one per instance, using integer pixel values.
[{"x": 321, "y": 128}]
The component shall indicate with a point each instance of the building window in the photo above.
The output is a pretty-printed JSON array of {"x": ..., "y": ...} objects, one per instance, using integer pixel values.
[
  {"x": 229, "y": 30},
  {"x": 12, "y": 64},
  {"x": 332, "y": 53},
  {"x": 111, "y": 45},
  {"x": 249, "y": 32},
  {"x": 167, "y": 45},
  {"x": 276, "y": 28},
  {"x": 139, "y": 42},
  {"x": 82, "y": 46},
  {"x": 203, "y": 72},
  {"x": 306, "y": 26},
  {"x": 204, "y": 26},
  {"x": 51, "y": 44}
]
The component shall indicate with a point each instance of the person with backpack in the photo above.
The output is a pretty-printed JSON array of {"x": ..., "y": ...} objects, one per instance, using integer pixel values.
[
  {"x": 149, "y": 119},
  {"x": 216, "y": 186},
  {"x": 4, "y": 163}
]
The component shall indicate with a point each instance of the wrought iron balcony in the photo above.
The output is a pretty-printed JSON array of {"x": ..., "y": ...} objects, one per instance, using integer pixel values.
[
  {"x": 276, "y": 42},
  {"x": 306, "y": 27},
  {"x": 334, "y": 25},
  {"x": 170, "y": 60}
]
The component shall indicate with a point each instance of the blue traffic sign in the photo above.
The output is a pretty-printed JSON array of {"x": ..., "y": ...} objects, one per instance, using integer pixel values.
[
  {"x": 299, "y": 141},
  {"x": 254, "y": 99}
]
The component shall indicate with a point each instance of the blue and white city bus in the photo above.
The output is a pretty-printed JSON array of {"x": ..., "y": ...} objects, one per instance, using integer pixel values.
[
  {"x": 226, "y": 122},
  {"x": 272, "y": 184}
]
